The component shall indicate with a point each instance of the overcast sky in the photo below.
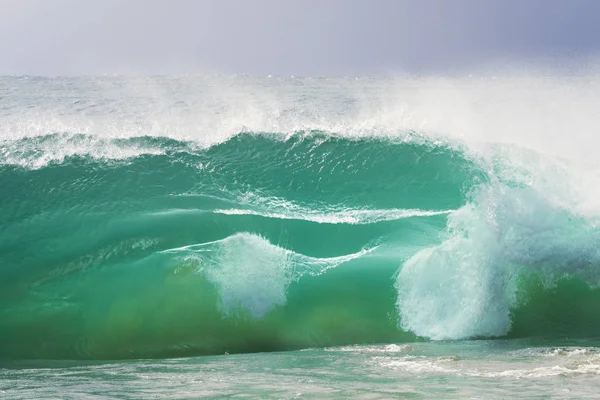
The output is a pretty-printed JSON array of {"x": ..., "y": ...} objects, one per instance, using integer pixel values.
[{"x": 290, "y": 37}]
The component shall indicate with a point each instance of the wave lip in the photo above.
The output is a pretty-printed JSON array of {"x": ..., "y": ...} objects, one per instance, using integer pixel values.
[{"x": 39, "y": 151}]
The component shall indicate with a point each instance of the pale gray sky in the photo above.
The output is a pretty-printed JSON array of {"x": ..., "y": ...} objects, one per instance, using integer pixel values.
[{"x": 289, "y": 37}]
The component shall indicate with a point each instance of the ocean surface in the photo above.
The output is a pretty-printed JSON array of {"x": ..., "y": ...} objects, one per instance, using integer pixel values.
[{"x": 284, "y": 237}]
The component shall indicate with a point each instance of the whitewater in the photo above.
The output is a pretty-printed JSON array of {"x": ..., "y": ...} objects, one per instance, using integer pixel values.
[{"x": 297, "y": 237}]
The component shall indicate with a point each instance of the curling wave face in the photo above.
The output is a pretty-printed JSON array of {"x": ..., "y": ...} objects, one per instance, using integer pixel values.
[{"x": 132, "y": 227}]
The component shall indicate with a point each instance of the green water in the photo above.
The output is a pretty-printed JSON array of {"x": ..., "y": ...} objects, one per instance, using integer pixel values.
[{"x": 321, "y": 260}]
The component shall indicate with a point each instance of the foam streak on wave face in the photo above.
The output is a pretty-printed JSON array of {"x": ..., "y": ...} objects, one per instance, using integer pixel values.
[{"x": 251, "y": 273}]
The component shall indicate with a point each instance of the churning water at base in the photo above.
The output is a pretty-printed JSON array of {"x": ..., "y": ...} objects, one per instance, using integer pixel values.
[
  {"x": 475, "y": 370},
  {"x": 383, "y": 225}
]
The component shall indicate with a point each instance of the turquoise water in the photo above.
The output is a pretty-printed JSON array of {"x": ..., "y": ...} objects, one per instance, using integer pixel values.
[{"x": 297, "y": 237}]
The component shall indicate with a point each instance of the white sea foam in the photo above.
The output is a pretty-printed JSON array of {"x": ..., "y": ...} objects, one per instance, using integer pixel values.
[
  {"x": 383, "y": 349},
  {"x": 253, "y": 274},
  {"x": 552, "y": 114},
  {"x": 346, "y": 216},
  {"x": 499, "y": 369},
  {"x": 465, "y": 287},
  {"x": 39, "y": 152}
]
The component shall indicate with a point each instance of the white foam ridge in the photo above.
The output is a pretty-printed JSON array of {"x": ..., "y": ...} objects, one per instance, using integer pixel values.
[
  {"x": 40, "y": 151},
  {"x": 381, "y": 349},
  {"x": 255, "y": 203},
  {"x": 344, "y": 216},
  {"x": 550, "y": 113},
  {"x": 253, "y": 274},
  {"x": 576, "y": 365}
]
